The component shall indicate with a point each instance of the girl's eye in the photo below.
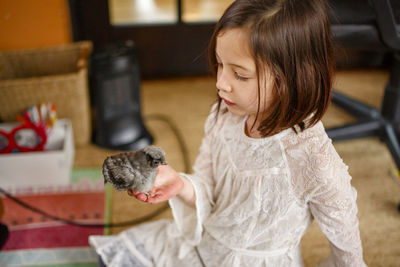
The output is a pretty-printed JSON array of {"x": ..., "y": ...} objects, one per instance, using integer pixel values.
[{"x": 241, "y": 78}]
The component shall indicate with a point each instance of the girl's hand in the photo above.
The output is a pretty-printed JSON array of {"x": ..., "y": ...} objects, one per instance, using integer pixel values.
[{"x": 167, "y": 185}]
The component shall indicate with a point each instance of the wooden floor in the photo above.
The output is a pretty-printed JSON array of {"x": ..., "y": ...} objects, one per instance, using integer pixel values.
[
  {"x": 187, "y": 102},
  {"x": 123, "y": 12}
]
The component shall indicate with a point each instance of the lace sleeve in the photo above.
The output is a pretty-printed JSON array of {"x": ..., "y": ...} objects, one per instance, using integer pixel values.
[
  {"x": 188, "y": 220},
  {"x": 323, "y": 182},
  {"x": 333, "y": 205}
]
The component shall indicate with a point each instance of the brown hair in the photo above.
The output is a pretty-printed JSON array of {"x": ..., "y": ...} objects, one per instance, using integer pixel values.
[{"x": 292, "y": 40}]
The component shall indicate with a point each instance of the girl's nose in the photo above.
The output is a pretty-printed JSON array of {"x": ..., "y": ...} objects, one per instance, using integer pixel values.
[{"x": 222, "y": 82}]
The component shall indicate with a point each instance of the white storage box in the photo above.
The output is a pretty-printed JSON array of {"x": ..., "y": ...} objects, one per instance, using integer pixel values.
[{"x": 40, "y": 168}]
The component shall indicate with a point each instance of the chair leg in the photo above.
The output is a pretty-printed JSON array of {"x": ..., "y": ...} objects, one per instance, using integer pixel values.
[
  {"x": 355, "y": 130},
  {"x": 354, "y": 107}
]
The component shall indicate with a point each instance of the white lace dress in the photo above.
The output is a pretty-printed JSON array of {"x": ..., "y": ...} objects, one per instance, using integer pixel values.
[{"x": 255, "y": 198}]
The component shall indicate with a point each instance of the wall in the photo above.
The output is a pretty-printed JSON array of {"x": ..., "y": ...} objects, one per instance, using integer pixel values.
[{"x": 34, "y": 23}]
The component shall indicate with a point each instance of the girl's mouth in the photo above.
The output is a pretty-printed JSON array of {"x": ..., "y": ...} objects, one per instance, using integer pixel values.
[{"x": 228, "y": 103}]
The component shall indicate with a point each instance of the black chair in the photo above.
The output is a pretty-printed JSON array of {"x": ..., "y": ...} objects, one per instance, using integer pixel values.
[{"x": 370, "y": 26}]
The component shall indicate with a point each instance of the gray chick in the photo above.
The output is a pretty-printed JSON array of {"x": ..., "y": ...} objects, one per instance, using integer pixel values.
[{"x": 134, "y": 170}]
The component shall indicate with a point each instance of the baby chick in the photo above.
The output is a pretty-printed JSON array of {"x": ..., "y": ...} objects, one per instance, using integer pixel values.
[{"x": 134, "y": 170}]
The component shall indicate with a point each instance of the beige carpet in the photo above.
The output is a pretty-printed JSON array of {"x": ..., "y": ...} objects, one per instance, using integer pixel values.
[{"x": 187, "y": 102}]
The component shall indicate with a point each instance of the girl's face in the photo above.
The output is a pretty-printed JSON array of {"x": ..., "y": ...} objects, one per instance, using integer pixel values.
[{"x": 237, "y": 81}]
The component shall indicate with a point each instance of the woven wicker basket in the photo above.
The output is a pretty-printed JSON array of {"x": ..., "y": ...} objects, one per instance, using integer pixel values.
[{"x": 54, "y": 74}]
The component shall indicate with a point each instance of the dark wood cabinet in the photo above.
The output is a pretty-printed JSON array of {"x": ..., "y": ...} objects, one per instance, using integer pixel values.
[{"x": 164, "y": 50}]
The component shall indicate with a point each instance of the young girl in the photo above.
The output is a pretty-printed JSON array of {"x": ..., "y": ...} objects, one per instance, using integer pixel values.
[{"x": 266, "y": 167}]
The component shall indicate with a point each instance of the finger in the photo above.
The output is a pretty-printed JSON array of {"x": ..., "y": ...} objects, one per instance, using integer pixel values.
[
  {"x": 133, "y": 192},
  {"x": 142, "y": 197}
]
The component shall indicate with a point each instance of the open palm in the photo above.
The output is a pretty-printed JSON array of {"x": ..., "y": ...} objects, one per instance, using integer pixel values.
[{"x": 167, "y": 185}]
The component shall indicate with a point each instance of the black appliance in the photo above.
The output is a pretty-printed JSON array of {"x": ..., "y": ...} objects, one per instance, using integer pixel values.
[{"x": 115, "y": 96}]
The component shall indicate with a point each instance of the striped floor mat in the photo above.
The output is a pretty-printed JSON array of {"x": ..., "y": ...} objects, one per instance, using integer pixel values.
[{"x": 35, "y": 240}]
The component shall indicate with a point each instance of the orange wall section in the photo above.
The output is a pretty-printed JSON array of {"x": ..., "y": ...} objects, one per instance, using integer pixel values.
[{"x": 34, "y": 23}]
